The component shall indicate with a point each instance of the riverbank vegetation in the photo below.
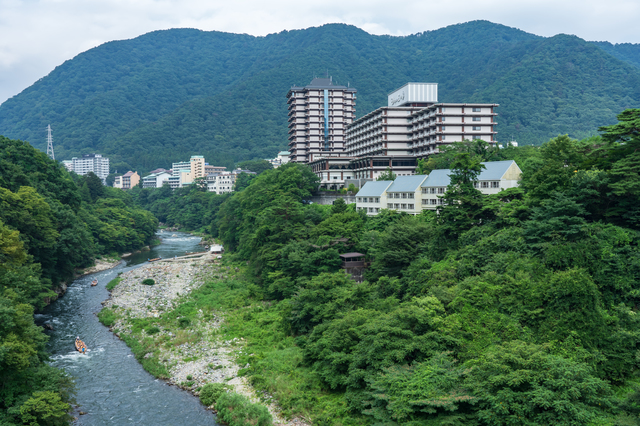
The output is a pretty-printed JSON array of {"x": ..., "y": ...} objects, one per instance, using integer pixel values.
[
  {"x": 516, "y": 308},
  {"x": 51, "y": 222}
]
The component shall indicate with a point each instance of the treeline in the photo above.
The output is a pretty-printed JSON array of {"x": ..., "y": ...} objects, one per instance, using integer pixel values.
[
  {"x": 509, "y": 309},
  {"x": 51, "y": 222},
  {"x": 192, "y": 207}
]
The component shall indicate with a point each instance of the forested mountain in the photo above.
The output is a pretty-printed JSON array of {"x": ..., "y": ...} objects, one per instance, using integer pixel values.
[{"x": 169, "y": 94}]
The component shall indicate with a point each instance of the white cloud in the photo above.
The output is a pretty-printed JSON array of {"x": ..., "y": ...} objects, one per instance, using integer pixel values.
[{"x": 37, "y": 35}]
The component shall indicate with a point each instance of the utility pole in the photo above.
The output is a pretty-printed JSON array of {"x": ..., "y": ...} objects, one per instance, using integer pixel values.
[{"x": 50, "y": 143}]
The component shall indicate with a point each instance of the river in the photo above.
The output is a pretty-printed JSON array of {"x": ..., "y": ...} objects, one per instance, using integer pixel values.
[{"x": 112, "y": 387}]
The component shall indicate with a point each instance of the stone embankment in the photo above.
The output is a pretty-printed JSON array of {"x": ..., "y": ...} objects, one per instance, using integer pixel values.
[{"x": 196, "y": 355}]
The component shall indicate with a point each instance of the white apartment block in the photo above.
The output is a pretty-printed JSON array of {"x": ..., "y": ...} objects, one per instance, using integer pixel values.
[
  {"x": 95, "y": 163},
  {"x": 319, "y": 114},
  {"x": 385, "y": 131},
  {"x": 412, "y": 194},
  {"x": 404, "y": 194},
  {"x": 224, "y": 182},
  {"x": 155, "y": 180},
  {"x": 446, "y": 123},
  {"x": 373, "y": 196}
]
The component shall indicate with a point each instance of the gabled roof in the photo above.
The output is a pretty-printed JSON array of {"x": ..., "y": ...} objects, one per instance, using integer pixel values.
[
  {"x": 438, "y": 178},
  {"x": 407, "y": 183},
  {"x": 495, "y": 169},
  {"x": 374, "y": 188}
]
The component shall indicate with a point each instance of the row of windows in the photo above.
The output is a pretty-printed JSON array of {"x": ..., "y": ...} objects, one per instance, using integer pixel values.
[
  {"x": 370, "y": 210},
  {"x": 401, "y": 195},
  {"x": 397, "y": 206},
  {"x": 368, "y": 200},
  {"x": 433, "y": 190},
  {"x": 472, "y": 119},
  {"x": 472, "y": 127},
  {"x": 432, "y": 201},
  {"x": 495, "y": 184}
]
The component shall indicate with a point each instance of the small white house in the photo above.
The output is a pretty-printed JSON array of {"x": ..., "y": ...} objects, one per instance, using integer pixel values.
[{"x": 498, "y": 175}]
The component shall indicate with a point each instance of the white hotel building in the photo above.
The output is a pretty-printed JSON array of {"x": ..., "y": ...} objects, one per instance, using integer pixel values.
[{"x": 412, "y": 126}]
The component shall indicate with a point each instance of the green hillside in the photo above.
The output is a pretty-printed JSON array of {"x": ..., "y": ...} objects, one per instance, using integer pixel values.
[{"x": 169, "y": 94}]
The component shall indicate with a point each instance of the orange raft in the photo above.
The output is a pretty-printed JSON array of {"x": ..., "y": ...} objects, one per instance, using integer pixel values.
[
  {"x": 80, "y": 346},
  {"x": 94, "y": 283}
]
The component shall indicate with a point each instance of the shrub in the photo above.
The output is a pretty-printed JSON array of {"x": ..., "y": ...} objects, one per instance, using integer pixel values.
[
  {"x": 189, "y": 377},
  {"x": 148, "y": 281},
  {"x": 107, "y": 317},
  {"x": 236, "y": 410},
  {"x": 184, "y": 322},
  {"x": 152, "y": 330},
  {"x": 210, "y": 393},
  {"x": 113, "y": 283}
]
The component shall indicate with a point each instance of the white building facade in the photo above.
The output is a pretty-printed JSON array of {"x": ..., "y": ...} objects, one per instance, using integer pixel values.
[
  {"x": 155, "y": 180},
  {"x": 95, "y": 163},
  {"x": 412, "y": 194}
]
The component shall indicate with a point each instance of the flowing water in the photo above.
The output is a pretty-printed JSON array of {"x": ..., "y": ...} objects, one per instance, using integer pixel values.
[{"x": 112, "y": 387}]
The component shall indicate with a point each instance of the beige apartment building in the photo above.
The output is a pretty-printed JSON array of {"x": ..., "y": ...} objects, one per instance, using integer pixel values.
[
  {"x": 127, "y": 180},
  {"x": 319, "y": 114}
]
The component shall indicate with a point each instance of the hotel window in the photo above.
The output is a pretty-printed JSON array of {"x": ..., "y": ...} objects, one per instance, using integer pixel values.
[
  {"x": 475, "y": 138},
  {"x": 404, "y": 207},
  {"x": 476, "y": 128},
  {"x": 377, "y": 210},
  {"x": 425, "y": 190},
  {"x": 440, "y": 190},
  {"x": 434, "y": 201},
  {"x": 476, "y": 119},
  {"x": 495, "y": 184},
  {"x": 404, "y": 195},
  {"x": 377, "y": 200},
  {"x": 433, "y": 190},
  {"x": 396, "y": 206},
  {"x": 440, "y": 201},
  {"x": 485, "y": 184},
  {"x": 389, "y": 206},
  {"x": 370, "y": 209},
  {"x": 476, "y": 109},
  {"x": 411, "y": 195},
  {"x": 444, "y": 118},
  {"x": 444, "y": 128},
  {"x": 410, "y": 206},
  {"x": 396, "y": 195},
  {"x": 424, "y": 201},
  {"x": 475, "y": 184}
]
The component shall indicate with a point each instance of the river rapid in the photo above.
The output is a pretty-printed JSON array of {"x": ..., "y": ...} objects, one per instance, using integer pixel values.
[{"x": 112, "y": 387}]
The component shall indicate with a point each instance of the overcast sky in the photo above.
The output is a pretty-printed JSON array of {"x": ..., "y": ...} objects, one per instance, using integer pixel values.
[{"x": 38, "y": 35}]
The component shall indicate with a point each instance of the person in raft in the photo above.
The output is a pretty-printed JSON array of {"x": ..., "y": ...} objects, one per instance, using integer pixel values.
[{"x": 78, "y": 338}]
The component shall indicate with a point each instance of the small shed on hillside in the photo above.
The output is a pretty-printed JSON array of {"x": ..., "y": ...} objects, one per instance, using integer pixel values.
[
  {"x": 216, "y": 249},
  {"x": 354, "y": 264}
]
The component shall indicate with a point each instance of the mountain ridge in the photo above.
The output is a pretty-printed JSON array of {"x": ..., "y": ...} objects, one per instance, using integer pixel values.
[{"x": 168, "y": 94}]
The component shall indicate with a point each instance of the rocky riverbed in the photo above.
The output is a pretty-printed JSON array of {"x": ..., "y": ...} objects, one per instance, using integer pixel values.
[
  {"x": 101, "y": 265},
  {"x": 194, "y": 356}
]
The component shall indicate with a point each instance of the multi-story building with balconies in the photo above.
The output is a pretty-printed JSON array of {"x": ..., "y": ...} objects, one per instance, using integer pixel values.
[
  {"x": 319, "y": 114},
  {"x": 445, "y": 123},
  {"x": 95, "y": 163}
]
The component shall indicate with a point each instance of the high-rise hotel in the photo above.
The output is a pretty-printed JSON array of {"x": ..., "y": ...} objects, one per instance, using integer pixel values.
[
  {"x": 319, "y": 114},
  {"x": 412, "y": 126}
]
